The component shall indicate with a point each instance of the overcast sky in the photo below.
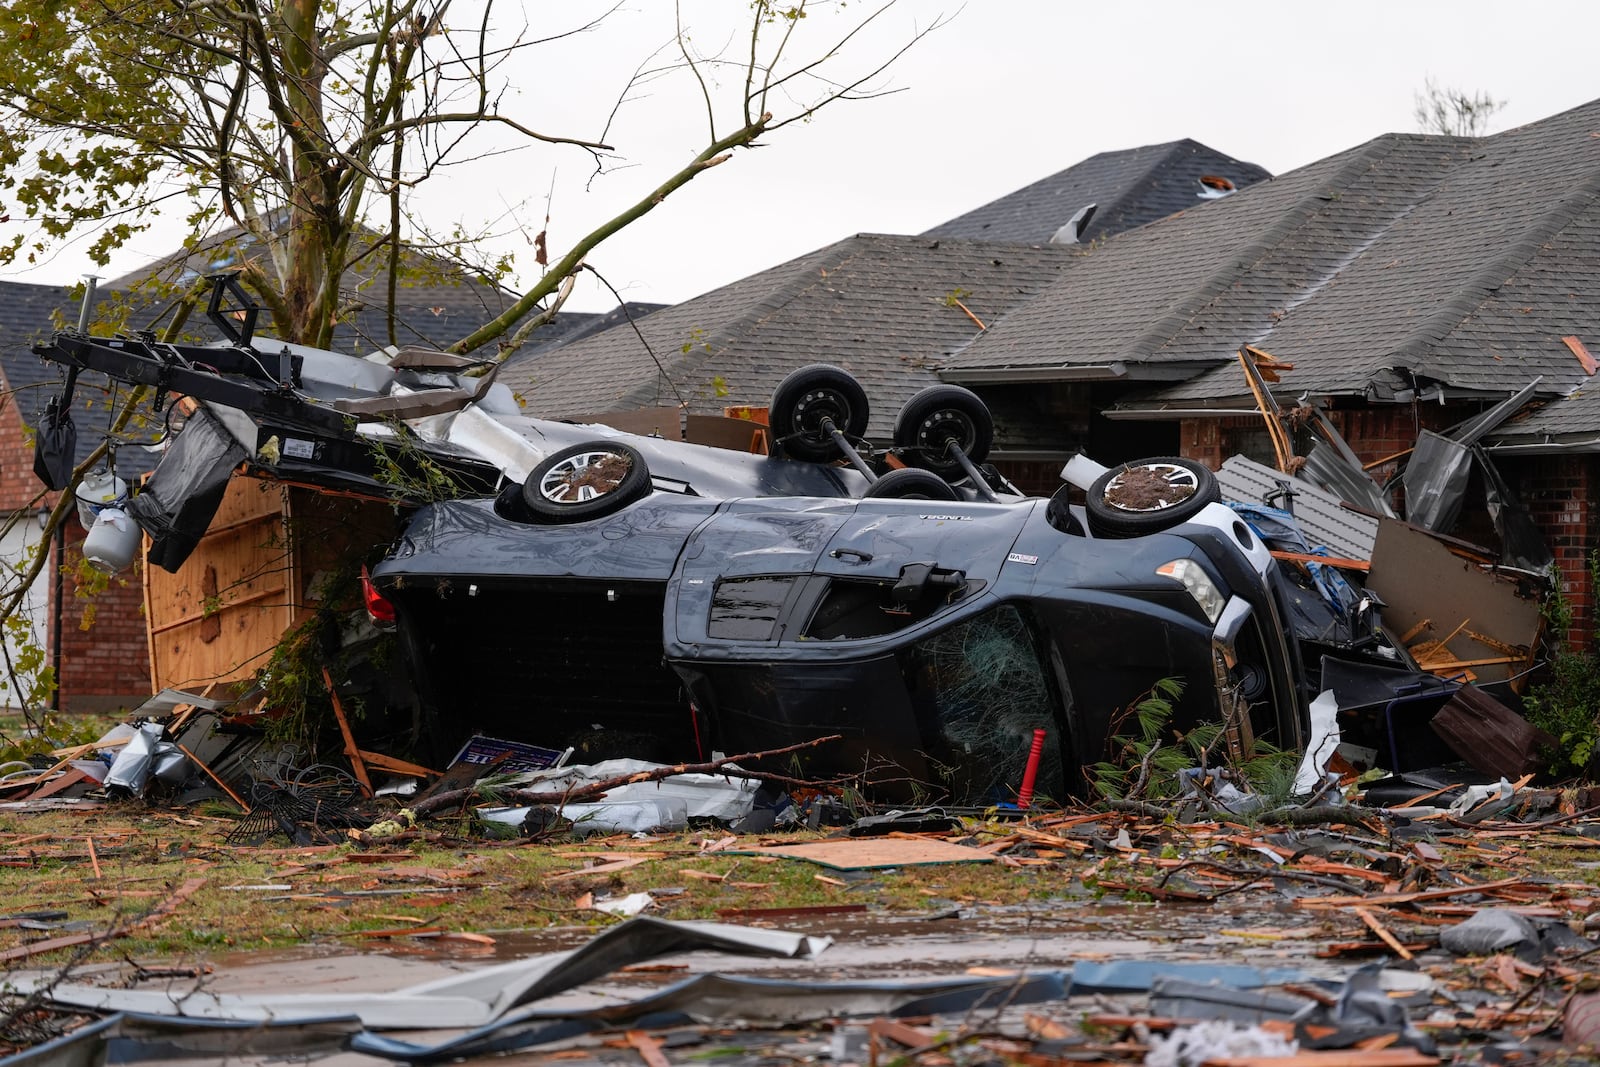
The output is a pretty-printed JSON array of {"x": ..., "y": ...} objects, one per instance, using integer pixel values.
[{"x": 1006, "y": 93}]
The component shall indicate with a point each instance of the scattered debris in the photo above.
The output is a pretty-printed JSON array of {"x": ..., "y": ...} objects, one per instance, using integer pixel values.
[{"x": 906, "y": 648}]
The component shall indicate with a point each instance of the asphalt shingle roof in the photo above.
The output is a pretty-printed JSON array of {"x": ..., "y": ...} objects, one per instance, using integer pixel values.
[
  {"x": 1572, "y": 420},
  {"x": 1441, "y": 260},
  {"x": 569, "y": 326},
  {"x": 882, "y": 307},
  {"x": 441, "y": 304},
  {"x": 1129, "y": 188},
  {"x": 28, "y": 314}
]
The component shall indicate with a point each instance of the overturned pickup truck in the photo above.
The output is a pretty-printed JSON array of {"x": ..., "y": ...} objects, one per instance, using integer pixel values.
[
  {"x": 936, "y": 628},
  {"x": 935, "y": 636},
  {"x": 636, "y": 595}
]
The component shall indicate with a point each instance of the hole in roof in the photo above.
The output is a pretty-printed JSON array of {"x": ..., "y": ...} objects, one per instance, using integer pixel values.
[{"x": 1072, "y": 231}]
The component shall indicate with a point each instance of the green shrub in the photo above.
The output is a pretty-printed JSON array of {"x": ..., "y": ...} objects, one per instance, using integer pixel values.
[
  {"x": 1566, "y": 701},
  {"x": 1145, "y": 763}
]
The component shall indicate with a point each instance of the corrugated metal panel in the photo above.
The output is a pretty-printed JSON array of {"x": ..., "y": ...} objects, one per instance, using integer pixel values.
[{"x": 1326, "y": 522}]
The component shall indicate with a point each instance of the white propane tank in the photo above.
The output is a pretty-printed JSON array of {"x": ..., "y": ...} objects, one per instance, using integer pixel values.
[
  {"x": 99, "y": 489},
  {"x": 113, "y": 541}
]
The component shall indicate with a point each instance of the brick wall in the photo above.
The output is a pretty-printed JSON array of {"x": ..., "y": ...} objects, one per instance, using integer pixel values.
[
  {"x": 17, "y": 482},
  {"x": 1561, "y": 493},
  {"x": 105, "y": 651},
  {"x": 1034, "y": 477},
  {"x": 107, "y": 665}
]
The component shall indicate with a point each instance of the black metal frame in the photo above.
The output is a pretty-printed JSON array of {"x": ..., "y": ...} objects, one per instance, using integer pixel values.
[{"x": 199, "y": 371}]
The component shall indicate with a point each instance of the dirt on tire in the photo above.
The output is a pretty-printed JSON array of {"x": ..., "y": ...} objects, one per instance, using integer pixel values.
[
  {"x": 1145, "y": 489},
  {"x": 602, "y": 476}
]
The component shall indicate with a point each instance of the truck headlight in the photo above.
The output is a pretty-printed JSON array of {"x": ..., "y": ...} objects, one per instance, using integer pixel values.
[{"x": 1199, "y": 584}]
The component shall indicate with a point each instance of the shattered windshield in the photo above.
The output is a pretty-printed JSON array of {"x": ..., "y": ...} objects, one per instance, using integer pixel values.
[{"x": 979, "y": 692}]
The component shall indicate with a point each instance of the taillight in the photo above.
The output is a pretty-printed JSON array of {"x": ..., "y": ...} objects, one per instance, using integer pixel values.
[{"x": 379, "y": 610}]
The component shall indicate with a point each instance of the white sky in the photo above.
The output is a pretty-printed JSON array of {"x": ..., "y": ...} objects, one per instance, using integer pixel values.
[{"x": 1008, "y": 92}]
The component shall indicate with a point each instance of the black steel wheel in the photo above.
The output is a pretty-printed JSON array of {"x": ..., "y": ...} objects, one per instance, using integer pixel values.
[
  {"x": 585, "y": 481},
  {"x": 1149, "y": 495},
  {"x": 935, "y": 418},
  {"x": 910, "y": 483},
  {"x": 805, "y": 400}
]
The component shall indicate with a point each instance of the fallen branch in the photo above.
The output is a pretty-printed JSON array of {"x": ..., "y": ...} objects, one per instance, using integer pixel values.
[
  {"x": 1144, "y": 773},
  {"x": 595, "y": 789}
]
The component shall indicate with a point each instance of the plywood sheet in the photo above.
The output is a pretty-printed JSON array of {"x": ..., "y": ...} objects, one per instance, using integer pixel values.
[
  {"x": 230, "y": 601},
  {"x": 258, "y": 571},
  {"x": 1423, "y": 581},
  {"x": 866, "y": 853}
]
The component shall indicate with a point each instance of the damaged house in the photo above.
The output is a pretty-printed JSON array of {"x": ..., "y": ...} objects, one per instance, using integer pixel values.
[
  {"x": 1411, "y": 283},
  {"x": 104, "y": 664},
  {"x": 1106, "y": 194}
]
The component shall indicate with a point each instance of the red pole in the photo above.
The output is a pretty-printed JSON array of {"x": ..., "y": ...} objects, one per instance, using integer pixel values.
[{"x": 1025, "y": 794}]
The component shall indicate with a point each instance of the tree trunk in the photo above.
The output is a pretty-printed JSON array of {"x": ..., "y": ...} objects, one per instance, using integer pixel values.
[{"x": 310, "y": 208}]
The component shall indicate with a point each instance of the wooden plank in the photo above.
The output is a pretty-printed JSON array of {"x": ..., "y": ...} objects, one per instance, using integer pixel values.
[
  {"x": 1383, "y": 933},
  {"x": 1434, "y": 666},
  {"x": 1332, "y": 561},
  {"x": 350, "y": 748},
  {"x": 648, "y": 1048},
  {"x": 901, "y": 1033},
  {"x": 1412, "y": 898},
  {"x": 1585, "y": 360},
  {"x": 72, "y": 777},
  {"x": 237, "y": 799},
  {"x": 1259, "y": 368},
  {"x": 1384, "y": 1057},
  {"x": 396, "y": 766}
]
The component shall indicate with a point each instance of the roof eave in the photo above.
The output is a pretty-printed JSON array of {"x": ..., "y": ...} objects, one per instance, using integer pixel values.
[
  {"x": 1082, "y": 372},
  {"x": 1161, "y": 414},
  {"x": 1549, "y": 445},
  {"x": 1118, "y": 370}
]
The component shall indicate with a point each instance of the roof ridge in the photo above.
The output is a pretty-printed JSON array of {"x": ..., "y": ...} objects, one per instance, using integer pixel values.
[
  {"x": 1284, "y": 226},
  {"x": 1488, "y": 279},
  {"x": 1146, "y": 176}
]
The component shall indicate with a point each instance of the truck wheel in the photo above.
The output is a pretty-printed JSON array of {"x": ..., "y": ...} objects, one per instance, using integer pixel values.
[
  {"x": 585, "y": 481},
  {"x": 808, "y": 396},
  {"x": 910, "y": 483},
  {"x": 1149, "y": 495},
  {"x": 935, "y": 417}
]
